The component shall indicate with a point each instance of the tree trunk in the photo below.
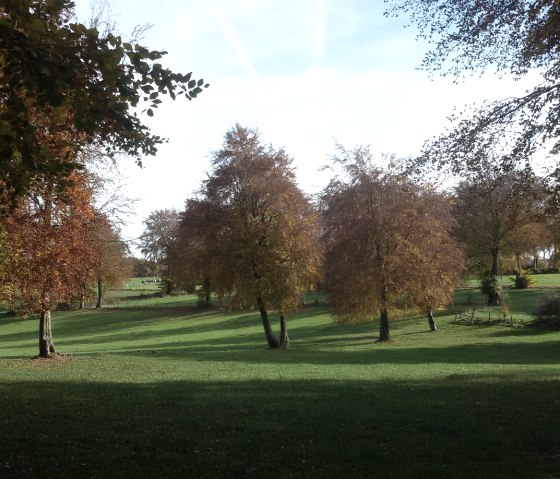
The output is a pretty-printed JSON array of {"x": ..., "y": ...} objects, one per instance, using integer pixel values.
[
  {"x": 384, "y": 327},
  {"x": 495, "y": 257},
  {"x": 82, "y": 298},
  {"x": 431, "y": 321},
  {"x": 207, "y": 292},
  {"x": 46, "y": 344},
  {"x": 284, "y": 339},
  {"x": 271, "y": 339},
  {"x": 99, "y": 294}
]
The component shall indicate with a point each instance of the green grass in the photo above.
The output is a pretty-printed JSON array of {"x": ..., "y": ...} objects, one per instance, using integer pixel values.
[{"x": 176, "y": 392}]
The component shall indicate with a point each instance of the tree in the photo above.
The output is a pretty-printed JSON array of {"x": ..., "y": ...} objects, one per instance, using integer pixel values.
[
  {"x": 114, "y": 267},
  {"x": 497, "y": 212},
  {"x": 58, "y": 76},
  {"x": 512, "y": 37},
  {"x": 189, "y": 263},
  {"x": 387, "y": 242},
  {"x": 160, "y": 232},
  {"x": 53, "y": 252},
  {"x": 258, "y": 230}
]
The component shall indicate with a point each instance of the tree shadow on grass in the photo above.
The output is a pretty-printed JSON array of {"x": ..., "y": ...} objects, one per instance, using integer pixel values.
[{"x": 463, "y": 427}]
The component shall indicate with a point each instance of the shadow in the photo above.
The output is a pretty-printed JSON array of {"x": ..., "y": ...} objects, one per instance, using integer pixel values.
[{"x": 461, "y": 427}]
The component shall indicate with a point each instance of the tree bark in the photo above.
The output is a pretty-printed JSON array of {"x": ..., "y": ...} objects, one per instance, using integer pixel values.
[
  {"x": 284, "y": 339},
  {"x": 82, "y": 298},
  {"x": 384, "y": 327},
  {"x": 46, "y": 344},
  {"x": 495, "y": 257},
  {"x": 206, "y": 287},
  {"x": 99, "y": 294},
  {"x": 431, "y": 321},
  {"x": 271, "y": 339}
]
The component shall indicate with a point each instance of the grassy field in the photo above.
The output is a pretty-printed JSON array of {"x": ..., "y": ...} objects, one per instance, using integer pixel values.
[{"x": 169, "y": 392}]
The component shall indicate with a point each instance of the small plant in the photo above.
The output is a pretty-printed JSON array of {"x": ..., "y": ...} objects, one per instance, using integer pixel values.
[
  {"x": 547, "y": 312},
  {"x": 523, "y": 280},
  {"x": 491, "y": 287}
]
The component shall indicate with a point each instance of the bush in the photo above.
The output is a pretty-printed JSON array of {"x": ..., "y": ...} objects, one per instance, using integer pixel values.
[
  {"x": 523, "y": 280},
  {"x": 547, "y": 312},
  {"x": 490, "y": 286}
]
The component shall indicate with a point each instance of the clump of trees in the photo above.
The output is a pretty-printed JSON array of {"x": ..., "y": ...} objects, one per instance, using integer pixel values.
[{"x": 388, "y": 242}]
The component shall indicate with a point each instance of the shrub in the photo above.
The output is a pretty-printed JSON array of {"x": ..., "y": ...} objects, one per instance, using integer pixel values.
[
  {"x": 547, "y": 312},
  {"x": 490, "y": 286},
  {"x": 523, "y": 280}
]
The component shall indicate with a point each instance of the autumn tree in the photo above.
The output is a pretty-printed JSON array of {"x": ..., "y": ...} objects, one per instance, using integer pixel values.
[
  {"x": 514, "y": 37},
  {"x": 114, "y": 265},
  {"x": 387, "y": 242},
  {"x": 498, "y": 212},
  {"x": 53, "y": 252},
  {"x": 189, "y": 258},
  {"x": 60, "y": 76},
  {"x": 259, "y": 231}
]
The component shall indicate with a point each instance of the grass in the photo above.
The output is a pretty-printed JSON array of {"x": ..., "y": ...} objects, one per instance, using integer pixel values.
[{"x": 167, "y": 392}]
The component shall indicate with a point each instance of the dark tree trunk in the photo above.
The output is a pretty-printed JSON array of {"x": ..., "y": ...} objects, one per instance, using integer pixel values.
[
  {"x": 46, "y": 344},
  {"x": 495, "y": 257},
  {"x": 284, "y": 339},
  {"x": 207, "y": 292},
  {"x": 384, "y": 327},
  {"x": 99, "y": 294},
  {"x": 431, "y": 321},
  {"x": 271, "y": 339}
]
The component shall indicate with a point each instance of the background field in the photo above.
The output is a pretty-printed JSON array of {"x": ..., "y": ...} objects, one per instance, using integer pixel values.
[{"x": 161, "y": 392}]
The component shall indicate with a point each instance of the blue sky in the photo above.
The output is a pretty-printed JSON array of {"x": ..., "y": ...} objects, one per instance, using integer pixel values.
[{"x": 306, "y": 73}]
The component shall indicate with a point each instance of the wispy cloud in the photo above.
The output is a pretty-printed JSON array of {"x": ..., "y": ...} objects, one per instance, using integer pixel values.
[{"x": 234, "y": 41}]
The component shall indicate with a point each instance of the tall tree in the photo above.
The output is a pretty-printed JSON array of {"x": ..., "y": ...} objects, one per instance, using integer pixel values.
[
  {"x": 497, "y": 212},
  {"x": 60, "y": 76},
  {"x": 53, "y": 252},
  {"x": 259, "y": 231},
  {"x": 387, "y": 242},
  {"x": 509, "y": 36}
]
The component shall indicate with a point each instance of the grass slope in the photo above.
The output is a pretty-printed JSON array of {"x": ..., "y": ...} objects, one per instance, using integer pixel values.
[{"x": 153, "y": 392}]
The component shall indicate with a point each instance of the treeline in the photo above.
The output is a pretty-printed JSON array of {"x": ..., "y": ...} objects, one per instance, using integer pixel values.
[{"x": 378, "y": 239}]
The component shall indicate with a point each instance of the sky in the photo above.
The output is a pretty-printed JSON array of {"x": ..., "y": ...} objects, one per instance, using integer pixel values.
[{"x": 307, "y": 73}]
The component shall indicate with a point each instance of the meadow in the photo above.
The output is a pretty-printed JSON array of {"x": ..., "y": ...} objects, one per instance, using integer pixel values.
[{"x": 152, "y": 391}]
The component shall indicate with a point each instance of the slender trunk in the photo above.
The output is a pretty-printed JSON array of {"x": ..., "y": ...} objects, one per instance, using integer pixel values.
[
  {"x": 82, "y": 298},
  {"x": 99, "y": 293},
  {"x": 207, "y": 292},
  {"x": 431, "y": 321},
  {"x": 46, "y": 344},
  {"x": 495, "y": 256},
  {"x": 284, "y": 339},
  {"x": 384, "y": 327},
  {"x": 271, "y": 339}
]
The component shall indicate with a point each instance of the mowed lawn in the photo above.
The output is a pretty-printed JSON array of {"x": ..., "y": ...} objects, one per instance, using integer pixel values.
[{"x": 179, "y": 392}]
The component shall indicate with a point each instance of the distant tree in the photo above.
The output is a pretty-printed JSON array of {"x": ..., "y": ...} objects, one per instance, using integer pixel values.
[
  {"x": 499, "y": 212},
  {"x": 58, "y": 76},
  {"x": 258, "y": 231},
  {"x": 114, "y": 265},
  {"x": 160, "y": 232},
  {"x": 387, "y": 243},
  {"x": 189, "y": 263},
  {"x": 53, "y": 252},
  {"x": 513, "y": 37}
]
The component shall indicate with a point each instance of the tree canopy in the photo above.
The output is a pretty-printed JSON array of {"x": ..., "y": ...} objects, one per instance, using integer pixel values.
[
  {"x": 387, "y": 242},
  {"x": 257, "y": 232},
  {"x": 513, "y": 37},
  {"x": 60, "y": 77}
]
